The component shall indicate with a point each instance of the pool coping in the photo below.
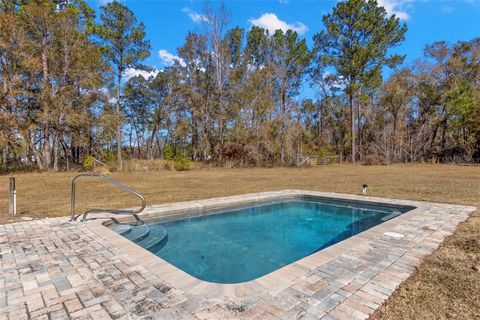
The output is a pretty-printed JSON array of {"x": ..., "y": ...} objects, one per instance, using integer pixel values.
[{"x": 279, "y": 279}]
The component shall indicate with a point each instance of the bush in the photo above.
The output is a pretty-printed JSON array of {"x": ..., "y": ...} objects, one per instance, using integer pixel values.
[
  {"x": 109, "y": 158},
  {"x": 182, "y": 163},
  {"x": 168, "y": 153},
  {"x": 89, "y": 163},
  {"x": 240, "y": 154},
  {"x": 371, "y": 160},
  {"x": 19, "y": 167},
  {"x": 324, "y": 152}
]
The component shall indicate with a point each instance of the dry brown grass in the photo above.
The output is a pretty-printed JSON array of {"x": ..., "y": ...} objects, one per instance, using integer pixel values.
[{"x": 446, "y": 286}]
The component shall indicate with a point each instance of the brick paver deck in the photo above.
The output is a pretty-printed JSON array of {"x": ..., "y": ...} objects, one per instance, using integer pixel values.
[{"x": 55, "y": 269}]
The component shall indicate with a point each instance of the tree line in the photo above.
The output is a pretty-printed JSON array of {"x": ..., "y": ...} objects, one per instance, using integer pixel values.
[{"x": 231, "y": 95}]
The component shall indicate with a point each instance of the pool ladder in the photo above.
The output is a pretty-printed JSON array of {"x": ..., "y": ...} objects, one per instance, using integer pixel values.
[{"x": 132, "y": 212}]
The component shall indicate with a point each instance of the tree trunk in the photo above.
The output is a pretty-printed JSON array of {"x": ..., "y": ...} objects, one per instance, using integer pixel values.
[
  {"x": 444, "y": 134},
  {"x": 359, "y": 133},
  {"x": 130, "y": 139},
  {"x": 46, "y": 149},
  {"x": 5, "y": 157},
  {"x": 282, "y": 123},
  {"x": 5, "y": 96},
  {"x": 150, "y": 143},
  {"x": 352, "y": 126},
  {"x": 394, "y": 140},
  {"x": 119, "y": 125},
  {"x": 65, "y": 150},
  {"x": 55, "y": 154}
]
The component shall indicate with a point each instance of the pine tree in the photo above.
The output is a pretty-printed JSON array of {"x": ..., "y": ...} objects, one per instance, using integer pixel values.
[
  {"x": 356, "y": 40},
  {"x": 124, "y": 46}
]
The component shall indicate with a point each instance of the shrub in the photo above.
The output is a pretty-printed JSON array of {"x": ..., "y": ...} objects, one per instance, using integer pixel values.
[
  {"x": 240, "y": 154},
  {"x": 89, "y": 163},
  {"x": 324, "y": 152},
  {"x": 168, "y": 153},
  {"x": 109, "y": 158},
  {"x": 19, "y": 167},
  {"x": 182, "y": 163},
  {"x": 371, "y": 160}
]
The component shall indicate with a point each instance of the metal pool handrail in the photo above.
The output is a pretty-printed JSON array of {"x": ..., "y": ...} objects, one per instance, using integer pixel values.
[{"x": 114, "y": 211}]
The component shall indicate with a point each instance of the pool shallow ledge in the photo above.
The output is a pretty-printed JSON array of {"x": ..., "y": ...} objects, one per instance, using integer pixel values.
[{"x": 394, "y": 229}]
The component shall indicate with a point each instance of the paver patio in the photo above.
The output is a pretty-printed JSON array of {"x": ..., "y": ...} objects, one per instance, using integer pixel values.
[{"x": 55, "y": 269}]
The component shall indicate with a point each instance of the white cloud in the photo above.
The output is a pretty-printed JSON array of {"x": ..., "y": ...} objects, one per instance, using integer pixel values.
[
  {"x": 447, "y": 9},
  {"x": 195, "y": 16},
  {"x": 396, "y": 7},
  {"x": 270, "y": 22},
  {"x": 169, "y": 59},
  {"x": 132, "y": 72}
]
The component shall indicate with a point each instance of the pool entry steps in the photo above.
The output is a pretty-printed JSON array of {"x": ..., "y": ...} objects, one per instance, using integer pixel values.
[
  {"x": 133, "y": 212},
  {"x": 152, "y": 239}
]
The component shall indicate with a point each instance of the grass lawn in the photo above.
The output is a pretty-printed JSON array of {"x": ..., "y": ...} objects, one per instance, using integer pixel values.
[{"x": 446, "y": 285}]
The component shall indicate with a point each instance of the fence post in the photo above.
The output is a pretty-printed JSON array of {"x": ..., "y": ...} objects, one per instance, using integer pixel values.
[{"x": 12, "y": 196}]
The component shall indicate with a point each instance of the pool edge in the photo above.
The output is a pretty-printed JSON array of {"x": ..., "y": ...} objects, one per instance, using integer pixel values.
[{"x": 279, "y": 279}]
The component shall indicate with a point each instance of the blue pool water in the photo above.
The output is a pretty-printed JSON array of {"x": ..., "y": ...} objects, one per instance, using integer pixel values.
[{"x": 243, "y": 244}]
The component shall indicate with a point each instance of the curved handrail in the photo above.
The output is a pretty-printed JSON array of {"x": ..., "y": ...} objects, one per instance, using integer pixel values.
[{"x": 114, "y": 211}]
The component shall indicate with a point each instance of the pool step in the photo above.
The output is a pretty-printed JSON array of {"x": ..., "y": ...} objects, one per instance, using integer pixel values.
[
  {"x": 151, "y": 239},
  {"x": 155, "y": 239},
  {"x": 138, "y": 233},
  {"x": 121, "y": 229}
]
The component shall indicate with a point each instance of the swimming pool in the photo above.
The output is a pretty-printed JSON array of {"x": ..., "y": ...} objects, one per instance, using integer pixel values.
[{"x": 235, "y": 245}]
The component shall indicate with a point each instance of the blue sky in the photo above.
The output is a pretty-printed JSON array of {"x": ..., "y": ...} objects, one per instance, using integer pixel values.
[{"x": 167, "y": 22}]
